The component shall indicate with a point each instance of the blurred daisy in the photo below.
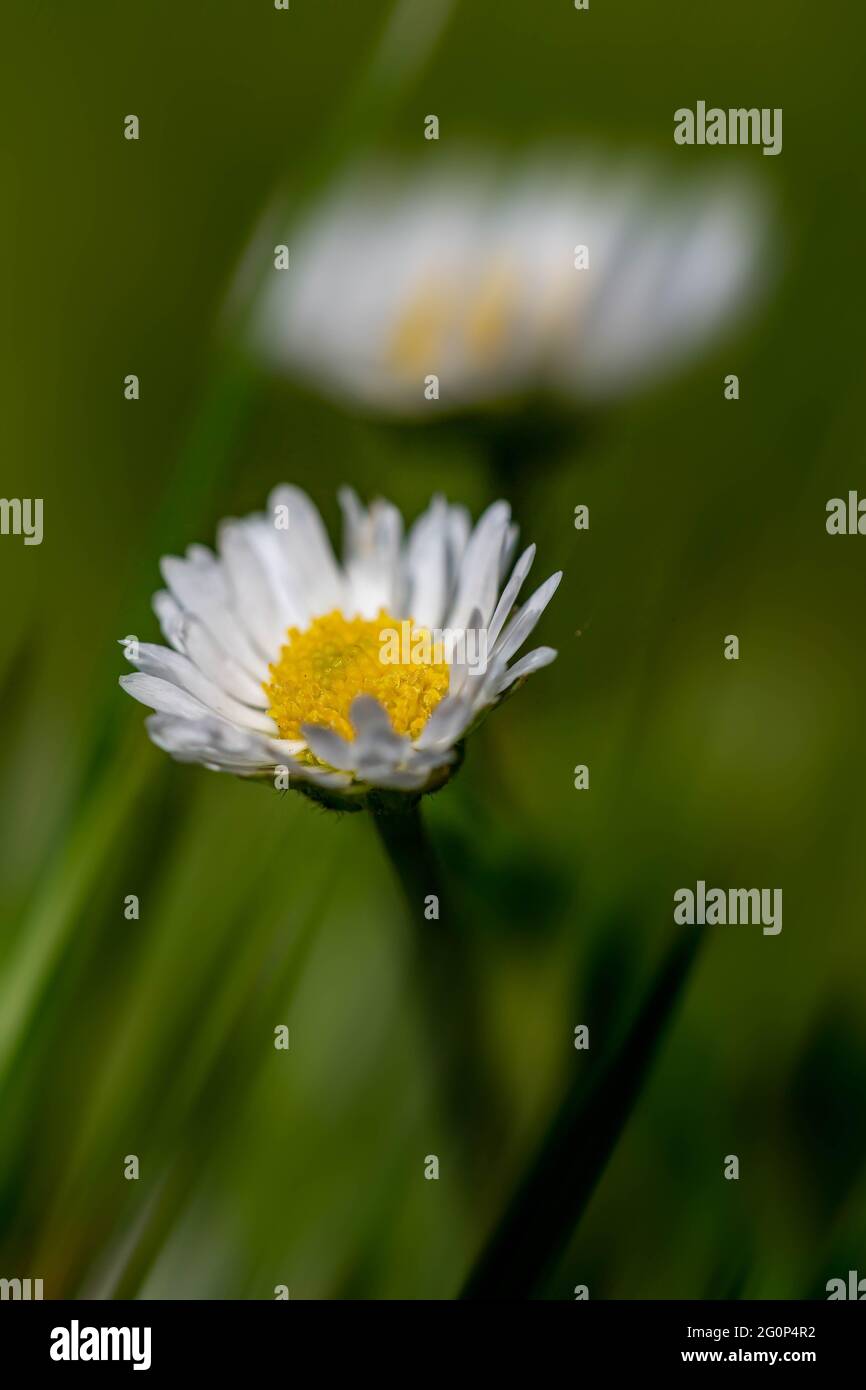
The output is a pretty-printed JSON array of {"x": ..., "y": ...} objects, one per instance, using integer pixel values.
[
  {"x": 575, "y": 281},
  {"x": 338, "y": 678}
]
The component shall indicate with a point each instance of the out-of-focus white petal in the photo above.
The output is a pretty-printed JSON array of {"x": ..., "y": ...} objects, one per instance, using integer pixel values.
[
  {"x": 689, "y": 266},
  {"x": 468, "y": 273}
]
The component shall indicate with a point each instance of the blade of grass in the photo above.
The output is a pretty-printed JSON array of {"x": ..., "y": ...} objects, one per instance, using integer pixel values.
[
  {"x": 64, "y": 892},
  {"x": 208, "y": 1110},
  {"x": 550, "y": 1201}
]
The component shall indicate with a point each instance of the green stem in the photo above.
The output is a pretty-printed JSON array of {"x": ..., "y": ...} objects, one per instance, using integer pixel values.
[
  {"x": 408, "y": 847},
  {"x": 446, "y": 975}
]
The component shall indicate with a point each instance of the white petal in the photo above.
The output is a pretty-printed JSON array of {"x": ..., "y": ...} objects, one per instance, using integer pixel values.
[
  {"x": 376, "y": 737},
  {"x": 209, "y": 740},
  {"x": 213, "y": 743},
  {"x": 533, "y": 661},
  {"x": 372, "y": 555},
  {"x": 446, "y": 724},
  {"x": 509, "y": 545},
  {"x": 460, "y": 670},
  {"x": 427, "y": 759},
  {"x": 171, "y": 666},
  {"x": 319, "y": 775},
  {"x": 202, "y": 648},
  {"x": 197, "y": 589},
  {"x": 290, "y": 602},
  {"x": 250, "y": 583},
  {"x": 328, "y": 745},
  {"x": 427, "y": 566},
  {"x": 481, "y": 691},
  {"x": 201, "y": 557},
  {"x": 478, "y": 585},
  {"x": 509, "y": 595},
  {"x": 192, "y": 742},
  {"x": 519, "y": 628},
  {"x": 189, "y": 636},
  {"x": 171, "y": 618},
  {"x": 459, "y": 527},
  {"x": 312, "y": 572},
  {"x": 163, "y": 696}
]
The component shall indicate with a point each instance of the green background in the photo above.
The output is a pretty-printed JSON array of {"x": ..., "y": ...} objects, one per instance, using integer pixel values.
[{"x": 154, "y": 1037}]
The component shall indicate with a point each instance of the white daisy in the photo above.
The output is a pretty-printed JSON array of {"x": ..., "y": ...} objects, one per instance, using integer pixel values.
[
  {"x": 277, "y": 659},
  {"x": 476, "y": 279}
]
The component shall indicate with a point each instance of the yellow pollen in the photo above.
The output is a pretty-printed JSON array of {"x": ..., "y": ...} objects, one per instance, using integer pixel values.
[
  {"x": 419, "y": 333},
  {"x": 323, "y": 668},
  {"x": 437, "y": 316},
  {"x": 490, "y": 315}
]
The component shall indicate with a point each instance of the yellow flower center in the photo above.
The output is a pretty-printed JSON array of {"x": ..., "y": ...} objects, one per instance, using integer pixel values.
[
  {"x": 490, "y": 315},
  {"x": 482, "y": 321},
  {"x": 321, "y": 669},
  {"x": 419, "y": 333}
]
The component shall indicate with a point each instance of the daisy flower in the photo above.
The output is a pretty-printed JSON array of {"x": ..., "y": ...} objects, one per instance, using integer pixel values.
[
  {"x": 355, "y": 682},
  {"x": 577, "y": 281}
]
